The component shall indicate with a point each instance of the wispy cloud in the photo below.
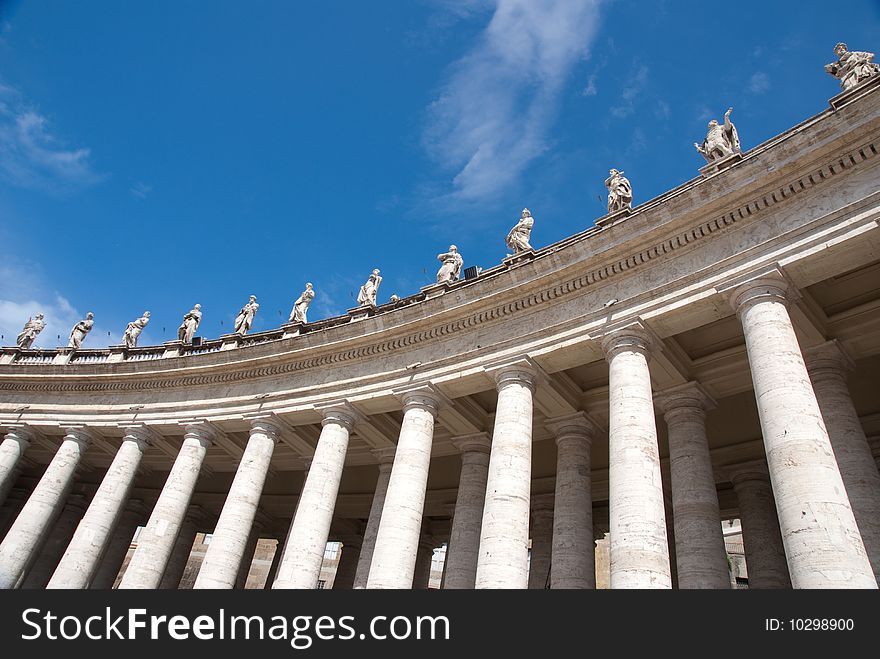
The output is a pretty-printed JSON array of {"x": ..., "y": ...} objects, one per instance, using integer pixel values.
[
  {"x": 141, "y": 190},
  {"x": 590, "y": 89},
  {"x": 32, "y": 156},
  {"x": 492, "y": 116},
  {"x": 633, "y": 87},
  {"x": 759, "y": 82}
]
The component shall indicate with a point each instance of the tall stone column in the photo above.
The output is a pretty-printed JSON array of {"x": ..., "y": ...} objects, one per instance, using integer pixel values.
[
  {"x": 132, "y": 517},
  {"x": 347, "y": 568},
  {"x": 541, "y": 532},
  {"x": 15, "y": 443},
  {"x": 639, "y": 549},
  {"x": 91, "y": 537},
  {"x": 827, "y": 365},
  {"x": 460, "y": 567},
  {"x": 699, "y": 541},
  {"x": 503, "y": 560},
  {"x": 573, "y": 557},
  {"x": 386, "y": 459},
  {"x": 224, "y": 556},
  {"x": 58, "y": 538},
  {"x": 28, "y": 532},
  {"x": 247, "y": 557},
  {"x": 15, "y": 501},
  {"x": 394, "y": 556},
  {"x": 819, "y": 532},
  {"x": 273, "y": 568},
  {"x": 762, "y": 540},
  {"x": 156, "y": 541},
  {"x": 424, "y": 561},
  {"x": 301, "y": 562},
  {"x": 192, "y": 524}
]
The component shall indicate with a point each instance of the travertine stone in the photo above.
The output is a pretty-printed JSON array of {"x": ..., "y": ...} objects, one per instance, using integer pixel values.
[
  {"x": 134, "y": 514},
  {"x": 620, "y": 194},
  {"x": 722, "y": 141},
  {"x": 386, "y": 459},
  {"x": 133, "y": 330},
  {"x": 701, "y": 557},
  {"x": 301, "y": 562},
  {"x": 57, "y": 539},
  {"x": 247, "y": 556},
  {"x": 452, "y": 262},
  {"x": 852, "y": 66},
  {"x": 84, "y": 553},
  {"x": 156, "y": 541},
  {"x": 394, "y": 555},
  {"x": 32, "y": 328},
  {"x": 224, "y": 556},
  {"x": 15, "y": 443},
  {"x": 460, "y": 567},
  {"x": 541, "y": 532},
  {"x": 827, "y": 365},
  {"x": 639, "y": 550},
  {"x": 348, "y": 563},
  {"x": 367, "y": 295},
  {"x": 245, "y": 317},
  {"x": 503, "y": 560},
  {"x": 28, "y": 532},
  {"x": 819, "y": 532},
  {"x": 424, "y": 559},
  {"x": 181, "y": 549},
  {"x": 79, "y": 331},
  {"x": 762, "y": 540},
  {"x": 518, "y": 237},
  {"x": 190, "y": 324},
  {"x": 573, "y": 557}
]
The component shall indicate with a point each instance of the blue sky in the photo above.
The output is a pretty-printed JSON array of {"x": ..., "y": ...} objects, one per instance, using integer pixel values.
[{"x": 155, "y": 155}]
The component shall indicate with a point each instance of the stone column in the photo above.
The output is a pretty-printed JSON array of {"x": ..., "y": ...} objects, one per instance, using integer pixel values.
[
  {"x": 52, "y": 550},
  {"x": 132, "y": 517},
  {"x": 247, "y": 557},
  {"x": 424, "y": 560},
  {"x": 83, "y": 555},
  {"x": 460, "y": 567},
  {"x": 181, "y": 549},
  {"x": 819, "y": 532},
  {"x": 541, "y": 532},
  {"x": 639, "y": 549},
  {"x": 573, "y": 557},
  {"x": 762, "y": 540},
  {"x": 348, "y": 563},
  {"x": 14, "y": 444},
  {"x": 301, "y": 562},
  {"x": 225, "y": 553},
  {"x": 156, "y": 541},
  {"x": 10, "y": 510},
  {"x": 828, "y": 365},
  {"x": 699, "y": 541},
  {"x": 503, "y": 561},
  {"x": 386, "y": 459},
  {"x": 273, "y": 568},
  {"x": 394, "y": 556},
  {"x": 28, "y": 532}
]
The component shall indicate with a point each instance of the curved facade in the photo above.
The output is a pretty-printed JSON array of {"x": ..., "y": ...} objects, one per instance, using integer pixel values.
[{"x": 714, "y": 354}]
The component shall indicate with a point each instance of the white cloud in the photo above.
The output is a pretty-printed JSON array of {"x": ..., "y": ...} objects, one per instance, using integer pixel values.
[
  {"x": 632, "y": 89},
  {"x": 759, "y": 82},
  {"x": 141, "y": 190},
  {"x": 31, "y": 156},
  {"x": 493, "y": 114},
  {"x": 590, "y": 89}
]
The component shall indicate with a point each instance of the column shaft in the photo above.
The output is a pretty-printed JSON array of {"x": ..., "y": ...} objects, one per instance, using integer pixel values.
[
  {"x": 175, "y": 566},
  {"x": 132, "y": 517},
  {"x": 58, "y": 538},
  {"x": 14, "y": 444},
  {"x": 422, "y": 570},
  {"x": 347, "y": 567},
  {"x": 372, "y": 530},
  {"x": 247, "y": 558},
  {"x": 541, "y": 532}
]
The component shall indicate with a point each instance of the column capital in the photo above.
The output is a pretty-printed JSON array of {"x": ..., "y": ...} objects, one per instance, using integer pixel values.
[
  {"x": 424, "y": 395},
  {"x": 828, "y": 359},
  {"x": 478, "y": 442},
  {"x": 577, "y": 426},
  {"x": 754, "y": 470},
  {"x": 633, "y": 337},
  {"x": 202, "y": 429},
  {"x": 769, "y": 284},
  {"x": 339, "y": 412},
  {"x": 520, "y": 369},
  {"x": 80, "y": 433},
  {"x": 267, "y": 423},
  {"x": 139, "y": 432},
  {"x": 385, "y": 456},
  {"x": 21, "y": 432},
  {"x": 685, "y": 399}
]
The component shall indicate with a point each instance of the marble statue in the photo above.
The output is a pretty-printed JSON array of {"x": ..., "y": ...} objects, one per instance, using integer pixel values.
[
  {"x": 134, "y": 329},
  {"x": 851, "y": 67},
  {"x": 79, "y": 331},
  {"x": 394, "y": 298},
  {"x": 190, "y": 324},
  {"x": 245, "y": 317},
  {"x": 32, "y": 327},
  {"x": 620, "y": 194},
  {"x": 451, "y": 269},
  {"x": 367, "y": 294},
  {"x": 301, "y": 306},
  {"x": 721, "y": 141},
  {"x": 518, "y": 237}
]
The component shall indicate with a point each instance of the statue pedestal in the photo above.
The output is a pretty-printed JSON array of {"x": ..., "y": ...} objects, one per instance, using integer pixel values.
[
  {"x": 230, "y": 341},
  {"x": 63, "y": 355},
  {"x": 864, "y": 87},
  {"x": 435, "y": 290},
  {"x": 117, "y": 354},
  {"x": 359, "y": 313},
  {"x": 291, "y": 330},
  {"x": 722, "y": 163},
  {"x": 172, "y": 348},
  {"x": 613, "y": 218},
  {"x": 519, "y": 257}
]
